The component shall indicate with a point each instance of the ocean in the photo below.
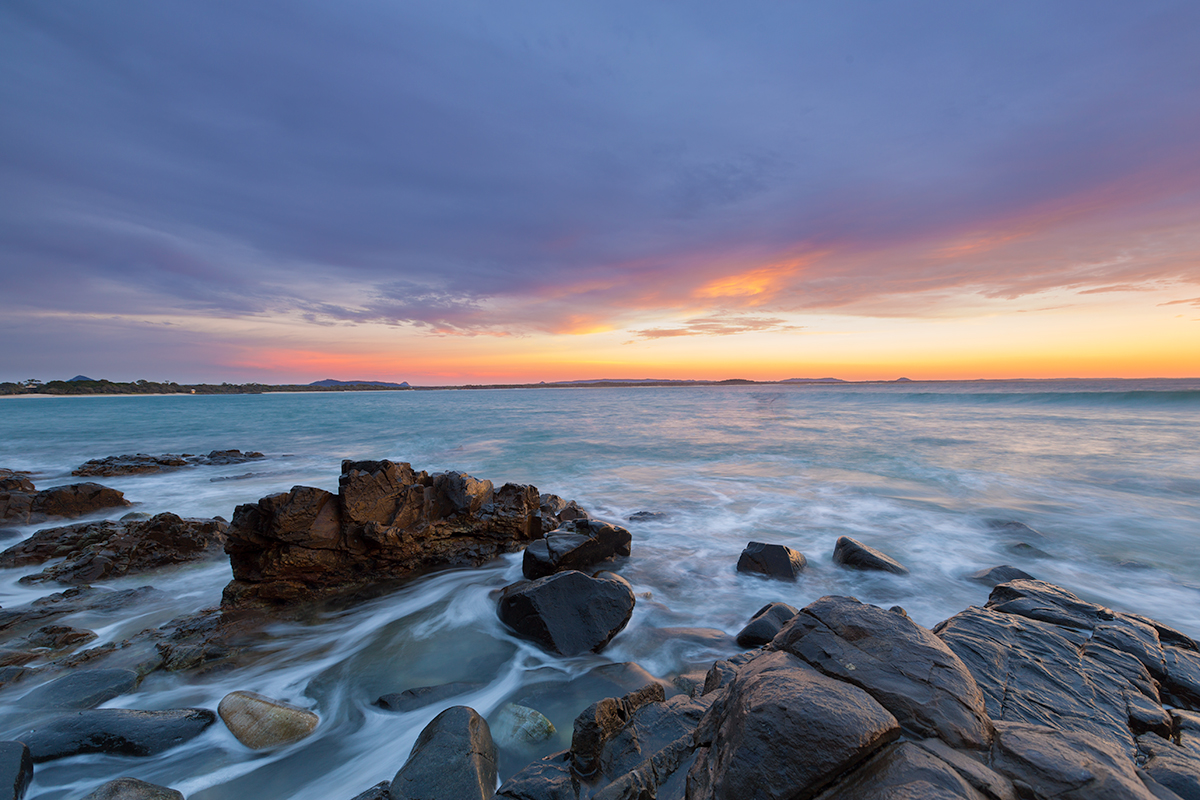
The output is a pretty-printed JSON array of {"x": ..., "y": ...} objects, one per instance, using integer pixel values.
[{"x": 1108, "y": 472}]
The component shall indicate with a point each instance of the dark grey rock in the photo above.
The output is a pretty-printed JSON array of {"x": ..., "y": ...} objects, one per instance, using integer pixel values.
[
  {"x": 647, "y": 516},
  {"x": 904, "y": 667},
  {"x": 454, "y": 758},
  {"x": 1170, "y": 765},
  {"x": 784, "y": 730},
  {"x": 133, "y": 789},
  {"x": 1001, "y": 574},
  {"x": 1015, "y": 531},
  {"x": 568, "y": 613},
  {"x": 1185, "y": 727},
  {"x": 601, "y": 721},
  {"x": 12, "y": 674},
  {"x": 772, "y": 560},
  {"x": 16, "y": 770},
  {"x": 421, "y": 696},
  {"x": 765, "y": 623},
  {"x": 1182, "y": 679},
  {"x": 56, "y": 637},
  {"x": 904, "y": 770},
  {"x": 1049, "y": 603},
  {"x": 1065, "y": 764},
  {"x": 116, "y": 731},
  {"x": 548, "y": 779},
  {"x": 380, "y": 791},
  {"x": 83, "y": 689},
  {"x": 578, "y": 544},
  {"x": 991, "y": 783},
  {"x": 856, "y": 555}
]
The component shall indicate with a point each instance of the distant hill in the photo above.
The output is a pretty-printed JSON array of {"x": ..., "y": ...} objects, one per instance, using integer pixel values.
[
  {"x": 328, "y": 382},
  {"x": 813, "y": 380},
  {"x": 617, "y": 380},
  {"x": 80, "y": 378}
]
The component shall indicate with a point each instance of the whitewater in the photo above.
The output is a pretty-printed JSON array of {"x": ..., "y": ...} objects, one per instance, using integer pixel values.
[{"x": 1107, "y": 472}]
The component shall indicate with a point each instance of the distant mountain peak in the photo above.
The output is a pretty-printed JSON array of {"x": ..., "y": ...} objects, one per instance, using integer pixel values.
[
  {"x": 813, "y": 380},
  {"x": 331, "y": 382},
  {"x": 80, "y": 378}
]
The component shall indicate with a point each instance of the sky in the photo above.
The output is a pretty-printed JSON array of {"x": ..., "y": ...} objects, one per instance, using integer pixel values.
[{"x": 480, "y": 192}]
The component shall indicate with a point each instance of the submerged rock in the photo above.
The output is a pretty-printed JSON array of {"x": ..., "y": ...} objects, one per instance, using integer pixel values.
[
  {"x": 21, "y": 505},
  {"x": 1002, "y": 574},
  {"x": 97, "y": 550},
  {"x": 16, "y": 770},
  {"x": 856, "y": 555},
  {"x": 57, "y": 637},
  {"x": 765, "y": 623},
  {"x": 454, "y": 758},
  {"x": 386, "y": 523},
  {"x": 518, "y": 726},
  {"x": 142, "y": 464},
  {"x": 133, "y": 789},
  {"x": 578, "y": 544},
  {"x": 568, "y": 613},
  {"x": 117, "y": 731},
  {"x": 421, "y": 696},
  {"x": 772, "y": 560},
  {"x": 83, "y": 689},
  {"x": 260, "y": 722}
]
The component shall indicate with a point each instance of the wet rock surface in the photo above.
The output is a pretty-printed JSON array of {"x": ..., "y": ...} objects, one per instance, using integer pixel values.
[
  {"x": 22, "y": 504},
  {"x": 1002, "y": 574},
  {"x": 765, "y": 624},
  {"x": 108, "y": 549},
  {"x": 854, "y": 554},
  {"x": 16, "y": 770},
  {"x": 454, "y": 758},
  {"x": 116, "y": 731},
  {"x": 421, "y": 696},
  {"x": 578, "y": 544},
  {"x": 387, "y": 522},
  {"x": 85, "y": 688},
  {"x": 772, "y": 561},
  {"x": 261, "y": 722},
  {"x": 143, "y": 464},
  {"x": 568, "y": 613},
  {"x": 133, "y": 789}
]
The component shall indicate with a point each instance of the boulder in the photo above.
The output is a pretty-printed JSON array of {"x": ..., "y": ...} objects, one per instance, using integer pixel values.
[
  {"x": 116, "y": 731},
  {"x": 517, "y": 726},
  {"x": 143, "y": 464},
  {"x": 133, "y": 789},
  {"x": 603, "y": 720},
  {"x": 772, "y": 560},
  {"x": 1014, "y": 531},
  {"x": 568, "y": 613},
  {"x": 1170, "y": 765},
  {"x": 16, "y": 770},
  {"x": 24, "y": 506},
  {"x": 57, "y": 637},
  {"x": 765, "y": 623},
  {"x": 783, "y": 730},
  {"x": 83, "y": 689},
  {"x": 856, "y": 555},
  {"x": 386, "y": 523},
  {"x": 1001, "y": 574},
  {"x": 1065, "y": 764},
  {"x": 1046, "y": 602},
  {"x": 548, "y": 779},
  {"x": 421, "y": 696},
  {"x": 991, "y": 783},
  {"x": 904, "y": 667},
  {"x": 95, "y": 551},
  {"x": 904, "y": 770},
  {"x": 454, "y": 758},
  {"x": 578, "y": 544},
  {"x": 260, "y": 722}
]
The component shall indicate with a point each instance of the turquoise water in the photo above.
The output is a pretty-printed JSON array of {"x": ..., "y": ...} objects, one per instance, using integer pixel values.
[{"x": 1109, "y": 472}]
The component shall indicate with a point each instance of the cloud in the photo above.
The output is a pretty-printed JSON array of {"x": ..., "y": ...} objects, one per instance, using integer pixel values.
[{"x": 720, "y": 326}]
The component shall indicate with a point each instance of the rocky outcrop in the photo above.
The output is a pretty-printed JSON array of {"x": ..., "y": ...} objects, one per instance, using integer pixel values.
[
  {"x": 1003, "y": 574},
  {"x": 772, "y": 560},
  {"x": 578, "y": 544},
  {"x": 856, "y": 555},
  {"x": 386, "y": 523},
  {"x": 22, "y": 504},
  {"x": 260, "y": 722},
  {"x": 117, "y": 731},
  {"x": 107, "y": 549},
  {"x": 568, "y": 613},
  {"x": 765, "y": 624},
  {"x": 454, "y": 758},
  {"x": 143, "y": 464}
]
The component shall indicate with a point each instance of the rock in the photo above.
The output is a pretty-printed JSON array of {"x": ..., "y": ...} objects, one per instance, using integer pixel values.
[
  {"x": 454, "y": 758},
  {"x": 260, "y": 722},
  {"x": 1043, "y": 601},
  {"x": 647, "y": 516},
  {"x": 133, "y": 789},
  {"x": 1065, "y": 765},
  {"x": 904, "y": 667},
  {"x": 116, "y": 731},
  {"x": 548, "y": 779},
  {"x": 520, "y": 726},
  {"x": 568, "y": 613},
  {"x": 765, "y": 623},
  {"x": 23, "y": 506},
  {"x": 772, "y": 560},
  {"x": 107, "y": 549},
  {"x": 903, "y": 770},
  {"x": 56, "y": 637},
  {"x": 856, "y": 555},
  {"x": 1044, "y": 674},
  {"x": 143, "y": 464},
  {"x": 1002, "y": 574},
  {"x": 16, "y": 770},
  {"x": 1182, "y": 678},
  {"x": 578, "y": 544},
  {"x": 1171, "y": 765},
  {"x": 991, "y": 783},
  {"x": 421, "y": 696},
  {"x": 15, "y": 481},
  {"x": 1014, "y": 531},
  {"x": 1186, "y": 730},
  {"x": 603, "y": 720},
  {"x": 83, "y": 689},
  {"x": 387, "y": 523},
  {"x": 784, "y": 730},
  {"x": 72, "y": 601},
  {"x": 648, "y": 755},
  {"x": 12, "y": 674},
  {"x": 15, "y": 658},
  {"x": 380, "y": 791}
]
